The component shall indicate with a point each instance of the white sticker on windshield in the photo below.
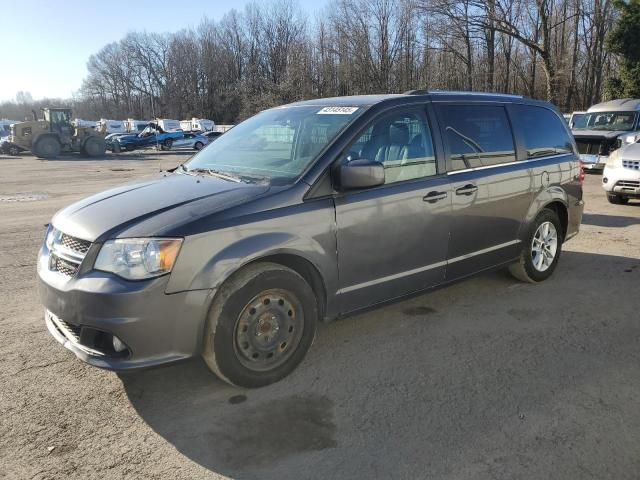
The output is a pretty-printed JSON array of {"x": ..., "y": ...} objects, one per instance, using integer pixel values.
[{"x": 337, "y": 110}]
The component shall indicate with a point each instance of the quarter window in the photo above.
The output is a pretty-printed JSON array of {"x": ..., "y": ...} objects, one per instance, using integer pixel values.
[
  {"x": 401, "y": 142},
  {"x": 477, "y": 135},
  {"x": 542, "y": 131}
]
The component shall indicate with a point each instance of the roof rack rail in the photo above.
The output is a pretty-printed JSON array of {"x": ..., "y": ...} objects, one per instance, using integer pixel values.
[{"x": 459, "y": 92}]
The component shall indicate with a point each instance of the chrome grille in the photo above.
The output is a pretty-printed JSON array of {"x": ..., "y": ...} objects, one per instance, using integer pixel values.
[
  {"x": 628, "y": 183},
  {"x": 62, "y": 266},
  {"x": 72, "y": 332},
  {"x": 75, "y": 244},
  {"x": 67, "y": 253}
]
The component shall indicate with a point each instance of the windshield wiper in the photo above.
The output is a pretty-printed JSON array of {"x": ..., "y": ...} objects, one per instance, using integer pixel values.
[{"x": 215, "y": 173}]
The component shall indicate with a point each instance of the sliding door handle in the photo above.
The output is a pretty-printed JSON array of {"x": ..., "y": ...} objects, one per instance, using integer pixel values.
[
  {"x": 433, "y": 197},
  {"x": 469, "y": 189}
]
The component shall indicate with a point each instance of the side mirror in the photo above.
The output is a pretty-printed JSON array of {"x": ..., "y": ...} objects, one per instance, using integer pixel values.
[{"x": 360, "y": 173}]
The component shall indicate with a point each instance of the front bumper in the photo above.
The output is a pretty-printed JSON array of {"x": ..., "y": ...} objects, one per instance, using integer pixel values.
[
  {"x": 624, "y": 181},
  {"x": 593, "y": 163},
  {"x": 156, "y": 328}
]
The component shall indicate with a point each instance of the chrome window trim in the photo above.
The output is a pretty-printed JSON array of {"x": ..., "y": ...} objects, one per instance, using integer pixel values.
[{"x": 516, "y": 162}]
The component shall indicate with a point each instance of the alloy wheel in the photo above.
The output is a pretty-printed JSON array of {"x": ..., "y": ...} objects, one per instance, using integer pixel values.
[{"x": 544, "y": 246}]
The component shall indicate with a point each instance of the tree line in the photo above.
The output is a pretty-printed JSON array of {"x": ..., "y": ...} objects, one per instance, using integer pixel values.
[{"x": 571, "y": 52}]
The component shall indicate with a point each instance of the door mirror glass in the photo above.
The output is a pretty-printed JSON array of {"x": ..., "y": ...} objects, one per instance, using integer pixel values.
[{"x": 360, "y": 173}]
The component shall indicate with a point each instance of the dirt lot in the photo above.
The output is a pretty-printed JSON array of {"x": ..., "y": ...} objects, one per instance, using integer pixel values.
[{"x": 488, "y": 379}]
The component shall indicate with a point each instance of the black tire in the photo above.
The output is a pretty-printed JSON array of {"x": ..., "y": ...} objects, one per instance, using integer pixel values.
[
  {"x": 47, "y": 147},
  {"x": 115, "y": 147},
  {"x": 525, "y": 268},
  {"x": 617, "y": 199},
  {"x": 167, "y": 144},
  {"x": 198, "y": 146},
  {"x": 94, "y": 146},
  {"x": 13, "y": 150},
  {"x": 227, "y": 350}
]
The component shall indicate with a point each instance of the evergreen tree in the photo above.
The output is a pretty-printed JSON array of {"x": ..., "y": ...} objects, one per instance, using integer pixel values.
[{"x": 624, "y": 41}]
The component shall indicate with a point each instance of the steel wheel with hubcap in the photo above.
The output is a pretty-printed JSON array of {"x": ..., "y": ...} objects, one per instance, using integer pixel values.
[
  {"x": 260, "y": 325},
  {"x": 268, "y": 330},
  {"x": 541, "y": 249}
]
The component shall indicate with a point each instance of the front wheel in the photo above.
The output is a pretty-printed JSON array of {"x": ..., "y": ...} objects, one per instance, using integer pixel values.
[
  {"x": 47, "y": 147},
  {"x": 617, "y": 199},
  {"x": 198, "y": 146},
  {"x": 260, "y": 326},
  {"x": 541, "y": 249},
  {"x": 167, "y": 144},
  {"x": 13, "y": 150},
  {"x": 95, "y": 146}
]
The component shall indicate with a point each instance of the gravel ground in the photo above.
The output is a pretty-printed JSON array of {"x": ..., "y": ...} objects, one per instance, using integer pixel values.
[{"x": 487, "y": 379}]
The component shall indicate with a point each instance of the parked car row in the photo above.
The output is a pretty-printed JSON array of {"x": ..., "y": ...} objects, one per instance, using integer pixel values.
[
  {"x": 155, "y": 135},
  {"x": 607, "y": 137}
]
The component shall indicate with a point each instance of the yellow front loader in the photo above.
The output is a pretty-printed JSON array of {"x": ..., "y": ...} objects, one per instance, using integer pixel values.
[{"x": 55, "y": 134}]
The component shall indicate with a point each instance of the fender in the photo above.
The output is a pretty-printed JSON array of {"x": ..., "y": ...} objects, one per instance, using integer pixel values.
[
  {"x": 544, "y": 197},
  {"x": 195, "y": 274}
]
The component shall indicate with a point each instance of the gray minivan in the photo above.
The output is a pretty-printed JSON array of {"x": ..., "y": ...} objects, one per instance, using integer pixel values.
[{"x": 309, "y": 212}]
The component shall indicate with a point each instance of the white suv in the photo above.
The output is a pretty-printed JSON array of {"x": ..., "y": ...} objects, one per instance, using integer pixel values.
[{"x": 621, "y": 176}]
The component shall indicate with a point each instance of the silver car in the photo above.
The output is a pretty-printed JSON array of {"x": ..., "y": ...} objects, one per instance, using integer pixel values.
[
  {"x": 603, "y": 129},
  {"x": 191, "y": 141}
]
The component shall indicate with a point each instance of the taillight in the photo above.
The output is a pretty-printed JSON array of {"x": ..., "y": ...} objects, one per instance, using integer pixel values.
[{"x": 581, "y": 174}]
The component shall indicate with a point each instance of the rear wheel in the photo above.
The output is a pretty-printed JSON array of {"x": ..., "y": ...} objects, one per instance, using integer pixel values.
[
  {"x": 167, "y": 144},
  {"x": 95, "y": 146},
  {"x": 47, "y": 147},
  {"x": 617, "y": 199},
  {"x": 260, "y": 325},
  {"x": 198, "y": 146},
  {"x": 13, "y": 150},
  {"x": 541, "y": 250}
]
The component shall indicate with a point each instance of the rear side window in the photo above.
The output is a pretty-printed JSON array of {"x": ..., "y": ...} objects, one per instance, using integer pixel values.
[
  {"x": 477, "y": 135},
  {"x": 542, "y": 131}
]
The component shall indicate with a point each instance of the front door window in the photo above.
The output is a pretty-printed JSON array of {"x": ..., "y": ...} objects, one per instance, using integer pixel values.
[{"x": 402, "y": 143}]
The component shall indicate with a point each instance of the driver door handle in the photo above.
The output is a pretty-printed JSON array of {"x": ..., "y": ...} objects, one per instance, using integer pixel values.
[
  {"x": 433, "y": 197},
  {"x": 468, "y": 189}
]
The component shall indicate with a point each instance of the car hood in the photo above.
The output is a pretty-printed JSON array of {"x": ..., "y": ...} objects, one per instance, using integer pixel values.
[
  {"x": 168, "y": 200},
  {"x": 124, "y": 138},
  {"x": 604, "y": 134},
  {"x": 116, "y": 135},
  {"x": 630, "y": 152}
]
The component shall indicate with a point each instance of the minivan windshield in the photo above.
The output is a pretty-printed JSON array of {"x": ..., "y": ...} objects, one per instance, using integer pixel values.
[
  {"x": 611, "y": 121},
  {"x": 276, "y": 145}
]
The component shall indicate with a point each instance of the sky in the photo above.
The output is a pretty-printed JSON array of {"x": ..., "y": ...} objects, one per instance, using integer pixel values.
[{"x": 45, "y": 49}]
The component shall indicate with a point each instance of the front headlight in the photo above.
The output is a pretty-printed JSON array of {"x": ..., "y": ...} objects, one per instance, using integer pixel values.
[
  {"x": 51, "y": 236},
  {"x": 138, "y": 258}
]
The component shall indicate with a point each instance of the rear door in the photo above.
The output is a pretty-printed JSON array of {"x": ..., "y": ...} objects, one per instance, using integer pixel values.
[
  {"x": 392, "y": 239},
  {"x": 491, "y": 190}
]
